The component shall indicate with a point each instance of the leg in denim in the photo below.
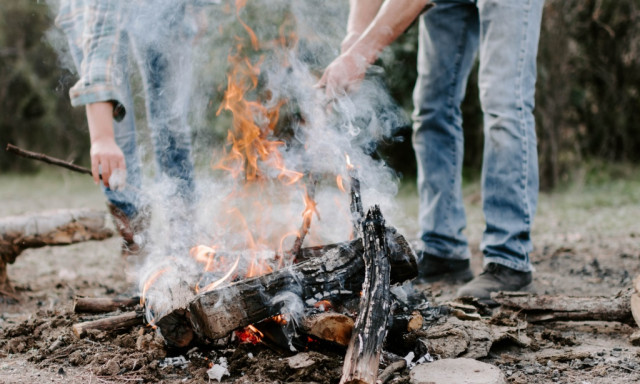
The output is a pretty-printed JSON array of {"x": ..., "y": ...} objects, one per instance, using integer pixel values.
[
  {"x": 447, "y": 47},
  {"x": 164, "y": 61},
  {"x": 509, "y": 32}
]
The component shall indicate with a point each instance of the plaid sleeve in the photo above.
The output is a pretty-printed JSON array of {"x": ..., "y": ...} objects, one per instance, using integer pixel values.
[{"x": 101, "y": 78}]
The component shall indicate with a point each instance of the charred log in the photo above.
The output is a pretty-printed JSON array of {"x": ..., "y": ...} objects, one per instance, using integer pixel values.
[
  {"x": 363, "y": 354},
  {"x": 332, "y": 273}
]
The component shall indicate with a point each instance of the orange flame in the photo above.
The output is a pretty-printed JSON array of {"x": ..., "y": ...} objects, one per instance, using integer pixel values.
[{"x": 340, "y": 183}]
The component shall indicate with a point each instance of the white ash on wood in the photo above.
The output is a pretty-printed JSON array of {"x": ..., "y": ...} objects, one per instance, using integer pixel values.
[
  {"x": 363, "y": 354},
  {"x": 333, "y": 272}
]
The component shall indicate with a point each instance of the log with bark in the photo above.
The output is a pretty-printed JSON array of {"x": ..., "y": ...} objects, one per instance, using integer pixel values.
[
  {"x": 544, "y": 308},
  {"x": 363, "y": 354},
  {"x": 103, "y": 304},
  {"x": 334, "y": 273},
  {"x": 61, "y": 227}
]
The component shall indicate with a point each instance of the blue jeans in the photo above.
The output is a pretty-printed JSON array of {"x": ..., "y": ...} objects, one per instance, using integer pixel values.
[
  {"x": 504, "y": 34},
  {"x": 161, "y": 48}
]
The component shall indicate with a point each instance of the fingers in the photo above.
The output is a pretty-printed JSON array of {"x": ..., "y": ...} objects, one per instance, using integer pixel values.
[{"x": 95, "y": 169}]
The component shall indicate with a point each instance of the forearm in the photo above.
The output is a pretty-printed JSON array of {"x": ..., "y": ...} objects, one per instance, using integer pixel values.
[
  {"x": 100, "y": 119},
  {"x": 361, "y": 14},
  {"x": 391, "y": 21}
]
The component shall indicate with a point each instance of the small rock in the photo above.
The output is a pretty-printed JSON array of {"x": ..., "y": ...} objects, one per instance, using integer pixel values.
[
  {"x": 301, "y": 360},
  {"x": 447, "y": 371},
  {"x": 110, "y": 368}
]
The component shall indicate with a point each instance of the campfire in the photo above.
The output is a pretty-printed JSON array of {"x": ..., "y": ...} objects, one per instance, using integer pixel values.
[{"x": 255, "y": 280}]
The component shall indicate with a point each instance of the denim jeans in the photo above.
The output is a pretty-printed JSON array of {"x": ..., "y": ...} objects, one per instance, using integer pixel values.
[
  {"x": 504, "y": 34},
  {"x": 161, "y": 48}
]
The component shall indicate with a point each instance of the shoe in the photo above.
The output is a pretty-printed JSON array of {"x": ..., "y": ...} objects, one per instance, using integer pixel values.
[
  {"x": 432, "y": 269},
  {"x": 495, "y": 278},
  {"x": 132, "y": 230}
]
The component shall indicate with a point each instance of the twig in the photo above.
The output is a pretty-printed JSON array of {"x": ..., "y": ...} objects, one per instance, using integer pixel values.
[
  {"x": 390, "y": 370},
  {"x": 47, "y": 159}
]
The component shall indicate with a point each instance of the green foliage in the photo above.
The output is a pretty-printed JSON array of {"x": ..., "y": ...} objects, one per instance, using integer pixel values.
[{"x": 33, "y": 90}]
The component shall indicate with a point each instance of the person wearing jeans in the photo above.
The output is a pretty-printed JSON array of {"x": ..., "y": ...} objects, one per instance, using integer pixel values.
[
  {"x": 503, "y": 35},
  {"x": 101, "y": 35}
]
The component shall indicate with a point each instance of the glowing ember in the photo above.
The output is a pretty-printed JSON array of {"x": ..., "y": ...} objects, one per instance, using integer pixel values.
[{"x": 250, "y": 334}]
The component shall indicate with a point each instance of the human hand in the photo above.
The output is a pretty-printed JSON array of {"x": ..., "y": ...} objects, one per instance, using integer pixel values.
[
  {"x": 107, "y": 160},
  {"x": 344, "y": 74}
]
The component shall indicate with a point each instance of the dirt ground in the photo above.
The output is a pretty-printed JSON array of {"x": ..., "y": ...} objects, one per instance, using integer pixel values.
[{"x": 587, "y": 243}]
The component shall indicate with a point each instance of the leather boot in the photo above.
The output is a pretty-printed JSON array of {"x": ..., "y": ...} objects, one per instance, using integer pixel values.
[{"x": 132, "y": 230}]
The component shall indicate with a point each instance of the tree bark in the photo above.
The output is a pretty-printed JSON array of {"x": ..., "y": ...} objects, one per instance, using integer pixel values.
[
  {"x": 542, "y": 308},
  {"x": 102, "y": 304},
  {"x": 110, "y": 324},
  {"x": 62, "y": 227},
  {"x": 363, "y": 354}
]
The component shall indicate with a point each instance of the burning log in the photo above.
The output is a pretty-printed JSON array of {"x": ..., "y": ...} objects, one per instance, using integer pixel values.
[
  {"x": 333, "y": 272},
  {"x": 363, "y": 355},
  {"x": 102, "y": 304},
  {"x": 63, "y": 227},
  {"x": 544, "y": 308},
  {"x": 329, "y": 326},
  {"x": 110, "y": 324}
]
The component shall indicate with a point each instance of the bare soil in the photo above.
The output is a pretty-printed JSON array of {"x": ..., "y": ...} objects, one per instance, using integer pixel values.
[{"x": 587, "y": 242}]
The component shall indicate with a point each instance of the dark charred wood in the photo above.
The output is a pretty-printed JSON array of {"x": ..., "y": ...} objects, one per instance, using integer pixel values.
[
  {"x": 357, "y": 212},
  {"x": 363, "y": 354},
  {"x": 545, "y": 308},
  {"x": 103, "y": 304},
  {"x": 117, "y": 323},
  {"x": 336, "y": 275}
]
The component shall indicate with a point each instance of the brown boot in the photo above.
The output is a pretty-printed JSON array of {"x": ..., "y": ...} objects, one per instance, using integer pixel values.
[{"x": 132, "y": 230}]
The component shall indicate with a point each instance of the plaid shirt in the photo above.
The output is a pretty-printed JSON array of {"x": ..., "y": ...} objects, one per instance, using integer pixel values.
[{"x": 93, "y": 27}]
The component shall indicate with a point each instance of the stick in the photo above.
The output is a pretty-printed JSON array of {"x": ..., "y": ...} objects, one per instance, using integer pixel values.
[
  {"x": 102, "y": 304},
  {"x": 113, "y": 323},
  {"x": 390, "y": 370},
  {"x": 47, "y": 159}
]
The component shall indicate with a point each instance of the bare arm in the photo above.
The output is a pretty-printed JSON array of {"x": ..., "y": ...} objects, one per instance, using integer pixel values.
[
  {"x": 361, "y": 14},
  {"x": 349, "y": 68},
  {"x": 106, "y": 156}
]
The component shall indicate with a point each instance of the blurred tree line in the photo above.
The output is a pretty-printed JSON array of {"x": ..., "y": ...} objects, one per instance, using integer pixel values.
[{"x": 588, "y": 90}]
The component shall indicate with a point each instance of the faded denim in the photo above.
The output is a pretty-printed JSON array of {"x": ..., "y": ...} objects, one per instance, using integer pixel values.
[
  {"x": 504, "y": 34},
  {"x": 160, "y": 44}
]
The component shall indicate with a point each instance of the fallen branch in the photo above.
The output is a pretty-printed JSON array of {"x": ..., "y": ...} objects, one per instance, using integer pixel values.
[
  {"x": 109, "y": 324},
  {"x": 102, "y": 304},
  {"x": 390, "y": 370},
  {"x": 61, "y": 227},
  {"x": 47, "y": 159},
  {"x": 542, "y": 308}
]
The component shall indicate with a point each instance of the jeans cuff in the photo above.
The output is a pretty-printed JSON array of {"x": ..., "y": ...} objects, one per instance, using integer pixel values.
[
  {"x": 460, "y": 254},
  {"x": 518, "y": 266}
]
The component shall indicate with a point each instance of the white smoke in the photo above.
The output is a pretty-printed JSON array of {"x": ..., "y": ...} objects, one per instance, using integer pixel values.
[{"x": 229, "y": 215}]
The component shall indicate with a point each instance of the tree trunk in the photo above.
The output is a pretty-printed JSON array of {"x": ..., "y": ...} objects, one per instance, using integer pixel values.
[{"x": 62, "y": 227}]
